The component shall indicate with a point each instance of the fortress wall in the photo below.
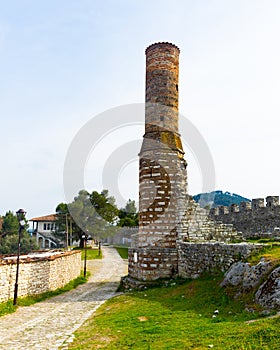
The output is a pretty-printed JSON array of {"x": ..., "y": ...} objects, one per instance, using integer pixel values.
[
  {"x": 251, "y": 218},
  {"x": 38, "y": 274},
  {"x": 197, "y": 258}
]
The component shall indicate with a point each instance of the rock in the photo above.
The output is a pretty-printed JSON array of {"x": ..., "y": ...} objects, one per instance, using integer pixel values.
[
  {"x": 246, "y": 276},
  {"x": 268, "y": 295}
]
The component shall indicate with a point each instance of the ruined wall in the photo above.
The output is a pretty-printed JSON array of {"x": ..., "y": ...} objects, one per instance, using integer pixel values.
[
  {"x": 252, "y": 218},
  {"x": 38, "y": 274},
  {"x": 200, "y": 227},
  {"x": 196, "y": 258}
]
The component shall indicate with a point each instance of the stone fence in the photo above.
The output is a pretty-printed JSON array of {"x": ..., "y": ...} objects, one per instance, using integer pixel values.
[
  {"x": 196, "y": 258},
  {"x": 38, "y": 272}
]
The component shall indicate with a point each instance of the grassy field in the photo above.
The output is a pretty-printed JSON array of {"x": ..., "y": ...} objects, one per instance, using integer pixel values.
[
  {"x": 193, "y": 314},
  {"x": 197, "y": 314},
  {"x": 92, "y": 254},
  {"x": 270, "y": 252},
  {"x": 123, "y": 251}
]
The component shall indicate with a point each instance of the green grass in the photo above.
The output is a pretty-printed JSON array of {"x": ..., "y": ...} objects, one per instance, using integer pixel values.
[
  {"x": 177, "y": 317},
  {"x": 92, "y": 254},
  {"x": 270, "y": 252},
  {"x": 123, "y": 251},
  {"x": 8, "y": 307}
]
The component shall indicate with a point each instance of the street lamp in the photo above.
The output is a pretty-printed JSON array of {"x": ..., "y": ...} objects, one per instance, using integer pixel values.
[
  {"x": 21, "y": 221},
  {"x": 86, "y": 237}
]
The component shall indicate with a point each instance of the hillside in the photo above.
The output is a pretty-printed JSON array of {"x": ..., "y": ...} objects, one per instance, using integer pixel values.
[{"x": 217, "y": 198}]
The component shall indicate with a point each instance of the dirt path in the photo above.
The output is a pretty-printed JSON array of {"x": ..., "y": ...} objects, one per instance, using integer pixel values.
[{"x": 50, "y": 324}]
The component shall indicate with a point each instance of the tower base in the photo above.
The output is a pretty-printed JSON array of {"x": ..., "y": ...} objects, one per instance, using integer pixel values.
[{"x": 150, "y": 264}]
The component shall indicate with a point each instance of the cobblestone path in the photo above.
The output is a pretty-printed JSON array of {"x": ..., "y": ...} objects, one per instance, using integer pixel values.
[{"x": 50, "y": 324}]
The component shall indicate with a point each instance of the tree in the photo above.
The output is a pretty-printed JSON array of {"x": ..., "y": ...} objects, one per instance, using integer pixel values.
[
  {"x": 128, "y": 215},
  {"x": 104, "y": 205},
  {"x": 9, "y": 236},
  {"x": 64, "y": 223},
  {"x": 10, "y": 224},
  {"x": 94, "y": 214}
]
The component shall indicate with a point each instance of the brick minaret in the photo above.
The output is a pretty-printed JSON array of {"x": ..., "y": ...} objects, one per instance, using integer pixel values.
[{"x": 162, "y": 170}]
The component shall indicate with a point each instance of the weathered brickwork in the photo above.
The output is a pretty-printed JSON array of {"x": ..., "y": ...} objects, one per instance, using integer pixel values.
[
  {"x": 194, "y": 259},
  {"x": 148, "y": 264},
  {"x": 162, "y": 74},
  {"x": 162, "y": 170},
  {"x": 38, "y": 275},
  {"x": 252, "y": 218},
  {"x": 169, "y": 217}
]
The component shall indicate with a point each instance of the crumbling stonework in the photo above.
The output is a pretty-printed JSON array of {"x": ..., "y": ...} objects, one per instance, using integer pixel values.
[
  {"x": 38, "y": 274},
  {"x": 162, "y": 170},
  {"x": 195, "y": 259},
  {"x": 200, "y": 227},
  {"x": 168, "y": 217},
  {"x": 252, "y": 218}
]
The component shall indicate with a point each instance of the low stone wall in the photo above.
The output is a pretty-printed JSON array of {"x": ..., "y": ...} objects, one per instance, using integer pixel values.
[
  {"x": 38, "y": 273},
  {"x": 196, "y": 258}
]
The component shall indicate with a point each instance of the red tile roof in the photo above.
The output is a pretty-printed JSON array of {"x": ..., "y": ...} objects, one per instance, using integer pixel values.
[{"x": 51, "y": 217}]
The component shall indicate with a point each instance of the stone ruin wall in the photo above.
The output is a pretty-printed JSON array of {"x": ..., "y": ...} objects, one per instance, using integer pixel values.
[
  {"x": 38, "y": 275},
  {"x": 252, "y": 219},
  {"x": 200, "y": 227},
  {"x": 195, "y": 259}
]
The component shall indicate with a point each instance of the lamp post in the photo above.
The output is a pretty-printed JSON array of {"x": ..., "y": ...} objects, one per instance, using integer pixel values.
[
  {"x": 86, "y": 237},
  {"x": 21, "y": 221}
]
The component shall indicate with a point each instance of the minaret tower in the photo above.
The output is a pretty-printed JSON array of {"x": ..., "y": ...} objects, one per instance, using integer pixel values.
[{"x": 162, "y": 170}]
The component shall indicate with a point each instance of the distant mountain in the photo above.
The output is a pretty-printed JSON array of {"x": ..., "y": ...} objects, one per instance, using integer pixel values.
[{"x": 217, "y": 198}]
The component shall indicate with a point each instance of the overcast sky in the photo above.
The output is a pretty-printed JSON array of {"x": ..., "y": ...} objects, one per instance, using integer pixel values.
[{"x": 64, "y": 62}]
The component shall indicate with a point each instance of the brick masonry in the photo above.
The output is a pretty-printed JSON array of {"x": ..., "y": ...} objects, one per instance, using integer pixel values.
[
  {"x": 162, "y": 170},
  {"x": 38, "y": 275},
  {"x": 176, "y": 235}
]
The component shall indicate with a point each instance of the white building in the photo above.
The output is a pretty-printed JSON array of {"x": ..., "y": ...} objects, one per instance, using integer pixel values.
[{"x": 43, "y": 229}]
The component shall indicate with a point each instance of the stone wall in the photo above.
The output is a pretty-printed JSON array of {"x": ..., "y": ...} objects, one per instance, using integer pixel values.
[
  {"x": 149, "y": 264},
  {"x": 196, "y": 258},
  {"x": 38, "y": 273},
  {"x": 251, "y": 218},
  {"x": 200, "y": 227}
]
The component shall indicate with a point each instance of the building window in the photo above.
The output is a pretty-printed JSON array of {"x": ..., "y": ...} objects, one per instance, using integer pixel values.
[
  {"x": 45, "y": 227},
  {"x": 161, "y": 118}
]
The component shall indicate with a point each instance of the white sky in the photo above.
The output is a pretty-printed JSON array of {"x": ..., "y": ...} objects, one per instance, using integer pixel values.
[{"x": 63, "y": 62}]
